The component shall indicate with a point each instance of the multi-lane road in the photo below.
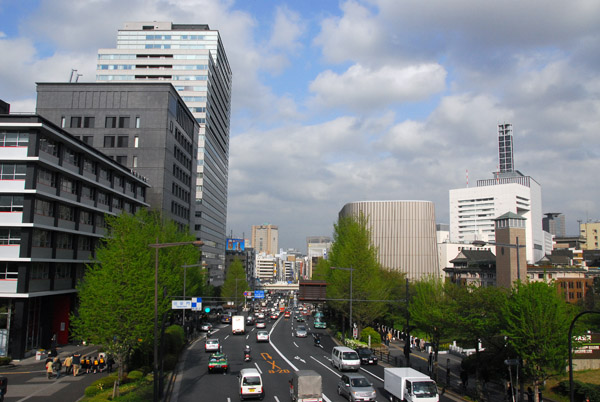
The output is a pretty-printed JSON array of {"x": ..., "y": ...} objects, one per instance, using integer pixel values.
[{"x": 275, "y": 361}]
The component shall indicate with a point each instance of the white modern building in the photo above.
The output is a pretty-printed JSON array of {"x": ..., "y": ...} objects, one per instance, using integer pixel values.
[
  {"x": 473, "y": 209},
  {"x": 266, "y": 268},
  {"x": 193, "y": 59},
  {"x": 317, "y": 248},
  {"x": 403, "y": 232}
]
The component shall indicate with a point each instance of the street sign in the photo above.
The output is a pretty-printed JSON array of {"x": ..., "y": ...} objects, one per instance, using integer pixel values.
[
  {"x": 196, "y": 304},
  {"x": 259, "y": 294},
  {"x": 181, "y": 304}
]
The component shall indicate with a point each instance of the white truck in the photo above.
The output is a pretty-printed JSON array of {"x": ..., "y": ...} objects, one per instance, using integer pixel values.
[
  {"x": 410, "y": 385},
  {"x": 238, "y": 324}
]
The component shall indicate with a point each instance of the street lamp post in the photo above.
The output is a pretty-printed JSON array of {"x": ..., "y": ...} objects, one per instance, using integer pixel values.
[
  {"x": 157, "y": 246},
  {"x": 351, "y": 270},
  {"x": 481, "y": 243}
]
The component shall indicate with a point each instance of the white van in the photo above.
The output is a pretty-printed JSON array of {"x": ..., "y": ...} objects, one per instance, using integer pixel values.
[
  {"x": 345, "y": 358},
  {"x": 251, "y": 385}
]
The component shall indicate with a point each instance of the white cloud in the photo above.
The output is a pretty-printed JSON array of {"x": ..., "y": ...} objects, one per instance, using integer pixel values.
[{"x": 363, "y": 88}]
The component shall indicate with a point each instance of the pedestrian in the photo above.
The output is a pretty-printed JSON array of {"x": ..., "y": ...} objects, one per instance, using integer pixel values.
[
  {"x": 83, "y": 365},
  {"x": 57, "y": 366},
  {"x": 464, "y": 377},
  {"x": 88, "y": 364},
  {"x": 49, "y": 368},
  {"x": 509, "y": 393},
  {"x": 529, "y": 394},
  {"x": 101, "y": 363},
  {"x": 68, "y": 364},
  {"x": 76, "y": 363},
  {"x": 96, "y": 364},
  {"x": 109, "y": 364}
]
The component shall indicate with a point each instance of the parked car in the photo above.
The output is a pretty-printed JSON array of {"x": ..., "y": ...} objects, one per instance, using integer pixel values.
[
  {"x": 218, "y": 362},
  {"x": 366, "y": 356},
  {"x": 212, "y": 345},
  {"x": 301, "y": 331},
  {"x": 262, "y": 336},
  {"x": 356, "y": 387}
]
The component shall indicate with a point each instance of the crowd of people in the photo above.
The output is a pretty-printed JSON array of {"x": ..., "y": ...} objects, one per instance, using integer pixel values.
[{"x": 77, "y": 364}]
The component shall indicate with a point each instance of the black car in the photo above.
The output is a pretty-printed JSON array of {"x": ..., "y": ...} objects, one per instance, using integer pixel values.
[{"x": 366, "y": 356}]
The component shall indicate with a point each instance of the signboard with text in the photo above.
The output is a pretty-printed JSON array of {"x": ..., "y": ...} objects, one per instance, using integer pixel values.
[
  {"x": 181, "y": 304},
  {"x": 586, "y": 346},
  {"x": 259, "y": 294}
]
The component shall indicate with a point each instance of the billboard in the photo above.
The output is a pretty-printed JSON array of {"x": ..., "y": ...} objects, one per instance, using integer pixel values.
[{"x": 236, "y": 244}]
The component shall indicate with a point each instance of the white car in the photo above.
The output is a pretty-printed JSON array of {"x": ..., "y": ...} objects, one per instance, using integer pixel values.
[
  {"x": 260, "y": 323},
  {"x": 212, "y": 345},
  {"x": 262, "y": 336}
]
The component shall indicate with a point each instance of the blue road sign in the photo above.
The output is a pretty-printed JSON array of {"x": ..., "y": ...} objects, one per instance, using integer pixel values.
[
  {"x": 259, "y": 294},
  {"x": 197, "y": 303}
]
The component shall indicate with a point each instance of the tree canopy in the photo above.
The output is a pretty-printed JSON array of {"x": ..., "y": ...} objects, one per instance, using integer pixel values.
[
  {"x": 116, "y": 295},
  {"x": 235, "y": 283}
]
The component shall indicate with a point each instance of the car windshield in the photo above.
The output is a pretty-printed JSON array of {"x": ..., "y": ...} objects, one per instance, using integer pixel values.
[
  {"x": 212, "y": 342},
  {"x": 359, "y": 382},
  {"x": 301, "y": 328},
  {"x": 262, "y": 332},
  {"x": 216, "y": 359},
  {"x": 350, "y": 356},
  {"x": 251, "y": 381},
  {"x": 424, "y": 389},
  {"x": 364, "y": 352}
]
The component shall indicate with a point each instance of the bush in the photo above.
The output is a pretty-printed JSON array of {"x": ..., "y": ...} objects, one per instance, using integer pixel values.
[
  {"x": 5, "y": 360},
  {"x": 100, "y": 385},
  {"x": 375, "y": 337},
  {"x": 170, "y": 361},
  {"x": 582, "y": 390},
  {"x": 174, "y": 339},
  {"x": 135, "y": 375}
]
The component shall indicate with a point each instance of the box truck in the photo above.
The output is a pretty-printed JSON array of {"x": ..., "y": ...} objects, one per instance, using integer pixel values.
[
  {"x": 238, "y": 324},
  {"x": 410, "y": 385},
  {"x": 306, "y": 386}
]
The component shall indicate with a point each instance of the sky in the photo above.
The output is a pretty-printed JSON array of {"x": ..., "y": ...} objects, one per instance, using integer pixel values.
[{"x": 342, "y": 101}]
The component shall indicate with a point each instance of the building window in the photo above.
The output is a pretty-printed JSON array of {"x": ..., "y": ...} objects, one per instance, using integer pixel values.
[
  {"x": 104, "y": 173},
  {"x": 111, "y": 122},
  {"x": 10, "y": 236},
  {"x": 89, "y": 166},
  {"x": 119, "y": 180},
  {"x": 43, "y": 207},
  {"x": 11, "y": 203},
  {"x": 41, "y": 238},
  {"x": 40, "y": 270},
  {"x": 62, "y": 271},
  {"x": 48, "y": 146},
  {"x": 47, "y": 178},
  {"x": 109, "y": 141},
  {"x": 136, "y": 141},
  {"x": 100, "y": 221},
  {"x": 123, "y": 141},
  {"x": 122, "y": 159},
  {"x": 67, "y": 185},
  {"x": 13, "y": 139},
  {"x": 64, "y": 241},
  {"x": 66, "y": 213},
  {"x": 87, "y": 192},
  {"x": 63, "y": 122},
  {"x": 76, "y": 122},
  {"x": 137, "y": 122},
  {"x": 71, "y": 157},
  {"x": 135, "y": 161},
  {"x": 86, "y": 217},
  {"x": 124, "y": 122},
  {"x": 117, "y": 203},
  {"x": 88, "y": 122},
  {"x": 102, "y": 198},
  {"x": 88, "y": 139},
  {"x": 9, "y": 271},
  {"x": 84, "y": 243}
]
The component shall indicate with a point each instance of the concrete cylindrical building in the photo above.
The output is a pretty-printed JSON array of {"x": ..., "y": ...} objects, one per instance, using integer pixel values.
[{"x": 403, "y": 233}]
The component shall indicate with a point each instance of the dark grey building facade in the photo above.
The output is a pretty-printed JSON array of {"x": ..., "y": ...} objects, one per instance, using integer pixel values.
[
  {"x": 144, "y": 126},
  {"x": 54, "y": 193}
]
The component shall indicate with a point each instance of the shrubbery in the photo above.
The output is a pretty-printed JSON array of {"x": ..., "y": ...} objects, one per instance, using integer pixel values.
[
  {"x": 582, "y": 390},
  {"x": 375, "y": 337}
]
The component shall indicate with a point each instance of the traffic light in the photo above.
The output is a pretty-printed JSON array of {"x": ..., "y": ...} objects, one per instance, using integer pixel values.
[{"x": 207, "y": 309}]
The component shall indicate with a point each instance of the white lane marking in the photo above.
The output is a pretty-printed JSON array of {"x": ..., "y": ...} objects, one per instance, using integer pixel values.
[
  {"x": 277, "y": 399},
  {"x": 371, "y": 374},
  {"x": 277, "y": 350},
  {"x": 298, "y": 358},
  {"x": 325, "y": 366},
  {"x": 258, "y": 368},
  {"x": 226, "y": 337},
  {"x": 296, "y": 345}
]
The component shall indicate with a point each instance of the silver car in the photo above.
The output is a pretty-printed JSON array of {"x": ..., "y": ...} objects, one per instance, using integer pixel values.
[
  {"x": 301, "y": 331},
  {"x": 356, "y": 387}
]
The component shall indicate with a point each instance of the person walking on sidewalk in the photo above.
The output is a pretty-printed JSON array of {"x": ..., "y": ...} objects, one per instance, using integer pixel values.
[
  {"x": 57, "y": 366},
  {"x": 68, "y": 364},
  {"x": 76, "y": 363},
  {"x": 49, "y": 368}
]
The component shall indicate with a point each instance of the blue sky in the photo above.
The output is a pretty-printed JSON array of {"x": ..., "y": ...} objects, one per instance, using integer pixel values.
[{"x": 335, "y": 102}]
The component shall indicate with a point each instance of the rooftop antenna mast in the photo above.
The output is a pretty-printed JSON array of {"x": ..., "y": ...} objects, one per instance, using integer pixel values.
[
  {"x": 71, "y": 77},
  {"x": 77, "y": 78}
]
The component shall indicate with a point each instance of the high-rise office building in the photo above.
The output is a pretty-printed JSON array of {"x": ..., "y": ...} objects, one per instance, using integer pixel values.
[
  {"x": 193, "y": 59},
  {"x": 265, "y": 239},
  {"x": 474, "y": 209},
  {"x": 554, "y": 223}
]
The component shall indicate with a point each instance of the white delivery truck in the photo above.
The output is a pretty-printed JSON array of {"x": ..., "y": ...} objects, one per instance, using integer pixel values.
[
  {"x": 238, "y": 324},
  {"x": 410, "y": 385}
]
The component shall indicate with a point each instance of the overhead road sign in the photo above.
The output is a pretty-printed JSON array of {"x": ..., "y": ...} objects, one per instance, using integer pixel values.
[
  {"x": 196, "y": 304},
  {"x": 181, "y": 304}
]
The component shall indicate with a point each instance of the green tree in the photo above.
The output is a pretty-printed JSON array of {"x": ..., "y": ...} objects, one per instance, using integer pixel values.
[
  {"x": 433, "y": 310},
  {"x": 235, "y": 283},
  {"x": 536, "y": 324},
  {"x": 352, "y": 249},
  {"x": 479, "y": 319},
  {"x": 116, "y": 295}
]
